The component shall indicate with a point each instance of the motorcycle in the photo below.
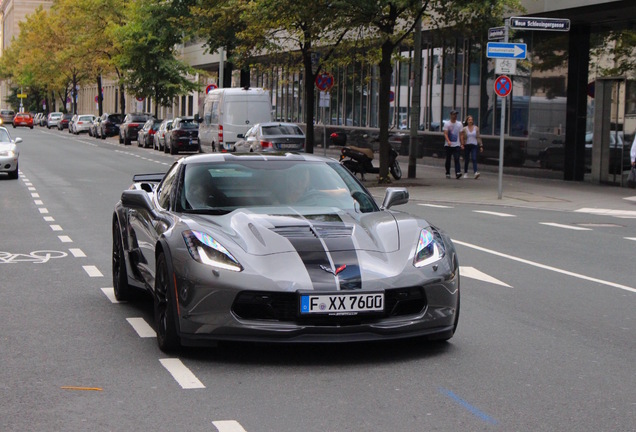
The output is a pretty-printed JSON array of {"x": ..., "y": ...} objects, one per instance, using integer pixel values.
[{"x": 359, "y": 160}]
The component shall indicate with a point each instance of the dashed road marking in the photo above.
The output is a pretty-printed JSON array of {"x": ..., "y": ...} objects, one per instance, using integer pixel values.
[
  {"x": 56, "y": 228},
  {"x": 630, "y": 238},
  {"x": 228, "y": 426},
  {"x": 492, "y": 213},
  {"x": 38, "y": 202},
  {"x": 35, "y": 195},
  {"x": 49, "y": 218},
  {"x": 43, "y": 210},
  {"x": 65, "y": 239},
  {"x": 472, "y": 272},
  {"x": 142, "y": 328},
  {"x": 570, "y": 227},
  {"x": 627, "y": 214},
  {"x": 110, "y": 294},
  {"x": 184, "y": 377},
  {"x": 435, "y": 205},
  {"x": 77, "y": 253},
  {"x": 92, "y": 271}
]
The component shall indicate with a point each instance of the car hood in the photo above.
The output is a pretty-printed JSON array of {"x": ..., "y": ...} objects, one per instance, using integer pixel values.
[{"x": 265, "y": 232}]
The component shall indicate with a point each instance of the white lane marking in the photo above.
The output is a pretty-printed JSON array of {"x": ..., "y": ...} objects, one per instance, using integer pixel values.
[
  {"x": 110, "y": 293},
  {"x": 35, "y": 195},
  {"x": 141, "y": 327},
  {"x": 49, "y": 218},
  {"x": 570, "y": 227},
  {"x": 56, "y": 228},
  {"x": 65, "y": 239},
  {"x": 435, "y": 205},
  {"x": 43, "y": 210},
  {"x": 31, "y": 188},
  {"x": 630, "y": 238},
  {"x": 492, "y": 213},
  {"x": 92, "y": 271},
  {"x": 181, "y": 373},
  {"x": 77, "y": 253},
  {"x": 38, "y": 202},
  {"x": 228, "y": 426},
  {"x": 631, "y": 198},
  {"x": 627, "y": 214},
  {"x": 473, "y": 273},
  {"x": 546, "y": 267}
]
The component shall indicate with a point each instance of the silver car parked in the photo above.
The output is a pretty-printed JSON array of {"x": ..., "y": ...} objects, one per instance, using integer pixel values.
[{"x": 53, "y": 119}]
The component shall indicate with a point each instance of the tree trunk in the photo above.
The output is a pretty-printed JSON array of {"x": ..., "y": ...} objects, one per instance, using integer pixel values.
[
  {"x": 122, "y": 100},
  {"x": 386, "y": 69},
  {"x": 310, "y": 99},
  {"x": 100, "y": 96}
]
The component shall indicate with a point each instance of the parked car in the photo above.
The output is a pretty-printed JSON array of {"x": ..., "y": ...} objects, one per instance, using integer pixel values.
[
  {"x": 42, "y": 121},
  {"x": 36, "y": 118},
  {"x": 146, "y": 136},
  {"x": 83, "y": 123},
  {"x": 23, "y": 120},
  {"x": 9, "y": 153},
  {"x": 129, "y": 128},
  {"x": 64, "y": 120},
  {"x": 6, "y": 116},
  {"x": 53, "y": 119},
  {"x": 71, "y": 123},
  {"x": 183, "y": 136},
  {"x": 272, "y": 136},
  {"x": 94, "y": 127},
  {"x": 159, "y": 140},
  {"x": 109, "y": 125}
]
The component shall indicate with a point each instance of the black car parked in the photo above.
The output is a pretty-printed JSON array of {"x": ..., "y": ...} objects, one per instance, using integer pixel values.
[
  {"x": 184, "y": 136},
  {"x": 129, "y": 128},
  {"x": 64, "y": 121},
  {"x": 109, "y": 125}
]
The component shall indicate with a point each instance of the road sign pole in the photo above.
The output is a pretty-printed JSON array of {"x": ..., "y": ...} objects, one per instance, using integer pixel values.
[{"x": 501, "y": 130}]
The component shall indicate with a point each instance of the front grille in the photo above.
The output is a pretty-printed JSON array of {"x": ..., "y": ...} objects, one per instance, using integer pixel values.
[{"x": 284, "y": 307}]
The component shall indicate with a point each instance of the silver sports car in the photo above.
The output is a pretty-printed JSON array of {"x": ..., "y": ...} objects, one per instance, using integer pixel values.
[{"x": 280, "y": 248}]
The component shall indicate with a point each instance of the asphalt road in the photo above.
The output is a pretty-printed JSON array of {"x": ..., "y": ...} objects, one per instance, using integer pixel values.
[{"x": 546, "y": 340}]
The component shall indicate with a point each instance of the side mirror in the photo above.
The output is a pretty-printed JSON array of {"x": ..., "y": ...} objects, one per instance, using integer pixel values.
[
  {"x": 17, "y": 140},
  {"x": 395, "y": 196},
  {"x": 136, "y": 198}
]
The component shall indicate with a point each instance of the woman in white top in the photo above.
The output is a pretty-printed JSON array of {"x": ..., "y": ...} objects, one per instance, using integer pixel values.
[{"x": 471, "y": 141}]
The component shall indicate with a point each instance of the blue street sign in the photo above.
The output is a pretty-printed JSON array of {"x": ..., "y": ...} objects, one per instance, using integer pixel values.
[{"x": 506, "y": 50}]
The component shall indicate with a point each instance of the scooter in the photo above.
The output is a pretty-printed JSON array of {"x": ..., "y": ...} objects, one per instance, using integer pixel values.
[{"x": 359, "y": 160}]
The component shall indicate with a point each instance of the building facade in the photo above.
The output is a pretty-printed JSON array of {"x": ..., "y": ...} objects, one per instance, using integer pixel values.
[{"x": 554, "y": 119}]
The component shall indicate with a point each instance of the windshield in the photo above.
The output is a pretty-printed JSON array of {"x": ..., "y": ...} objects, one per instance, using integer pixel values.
[
  {"x": 220, "y": 187},
  {"x": 282, "y": 130}
]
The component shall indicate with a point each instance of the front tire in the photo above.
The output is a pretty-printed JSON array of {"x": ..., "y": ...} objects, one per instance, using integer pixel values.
[
  {"x": 396, "y": 171},
  {"x": 165, "y": 308},
  {"x": 13, "y": 175},
  {"x": 120, "y": 275}
]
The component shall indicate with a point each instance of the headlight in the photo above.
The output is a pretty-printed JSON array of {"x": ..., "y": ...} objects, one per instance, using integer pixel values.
[
  {"x": 9, "y": 153},
  {"x": 204, "y": 249},
  {"x": 430, "y": 248}
]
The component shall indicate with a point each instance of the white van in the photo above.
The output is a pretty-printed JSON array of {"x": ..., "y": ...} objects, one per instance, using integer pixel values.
[{"x": 228, "y": 112}]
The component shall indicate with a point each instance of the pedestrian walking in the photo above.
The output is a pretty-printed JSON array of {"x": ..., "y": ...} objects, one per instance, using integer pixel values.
[
  {"x": 471, "y": 144},
  {"x": 452, "y": 131}
]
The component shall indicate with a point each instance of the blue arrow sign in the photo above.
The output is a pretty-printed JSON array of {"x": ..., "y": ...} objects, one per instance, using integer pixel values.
[{"x": 506, "y": 50}]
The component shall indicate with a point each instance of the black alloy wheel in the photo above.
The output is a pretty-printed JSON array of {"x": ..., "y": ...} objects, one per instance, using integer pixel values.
[
  {"x": 165, "y": 308},
  {"x": 120, "y": 275}
]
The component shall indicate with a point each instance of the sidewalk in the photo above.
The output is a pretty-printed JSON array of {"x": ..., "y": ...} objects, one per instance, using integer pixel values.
[{"x": 532, "y": 190}]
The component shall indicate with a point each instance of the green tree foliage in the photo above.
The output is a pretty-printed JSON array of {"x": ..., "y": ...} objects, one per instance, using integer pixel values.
[{"x": 148, "y": 40}]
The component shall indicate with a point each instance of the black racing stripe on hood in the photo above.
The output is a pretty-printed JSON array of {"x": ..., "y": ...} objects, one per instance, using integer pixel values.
[{"x": 315, "y": 250}]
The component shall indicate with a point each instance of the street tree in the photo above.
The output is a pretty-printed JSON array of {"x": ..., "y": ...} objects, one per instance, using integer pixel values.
[
  {"x": 148, "y": 54},
  {"x": 304, "y": 35}
]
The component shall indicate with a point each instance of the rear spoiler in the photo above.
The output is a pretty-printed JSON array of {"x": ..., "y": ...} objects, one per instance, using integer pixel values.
[{"x": 156, "y": 178}]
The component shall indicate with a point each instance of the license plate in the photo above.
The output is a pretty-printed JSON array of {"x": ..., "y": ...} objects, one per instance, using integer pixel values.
[
  {"x": 288, "y": 146},
  {"x": 341, "y": 304}
]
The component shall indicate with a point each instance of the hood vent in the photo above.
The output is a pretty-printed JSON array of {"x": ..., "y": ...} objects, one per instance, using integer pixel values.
[{"x": 315, "y": 231}]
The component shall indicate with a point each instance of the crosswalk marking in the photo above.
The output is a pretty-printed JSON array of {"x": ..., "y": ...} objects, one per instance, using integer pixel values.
[{"x": 181, "y": 373}]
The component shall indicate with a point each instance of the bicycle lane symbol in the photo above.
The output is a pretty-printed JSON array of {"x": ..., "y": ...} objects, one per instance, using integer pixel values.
[{"x": 35, "y": 257}]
